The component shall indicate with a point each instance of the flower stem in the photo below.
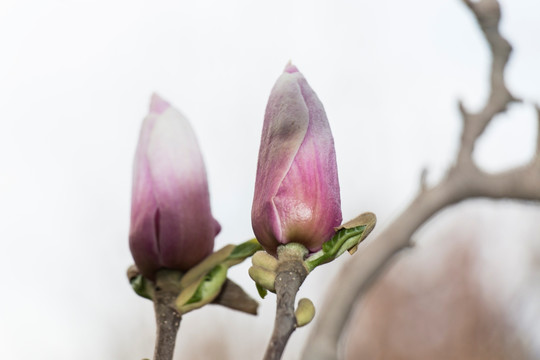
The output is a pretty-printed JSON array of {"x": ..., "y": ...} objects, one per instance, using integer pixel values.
[
  {"x": 290, "y": 276},
  {"x": 167, "y": 317}
]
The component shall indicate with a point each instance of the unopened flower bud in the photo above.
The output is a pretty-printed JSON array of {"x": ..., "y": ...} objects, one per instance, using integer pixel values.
[
  {"x": 297, "y": 190},
  {"x": 171, "y": 223}
]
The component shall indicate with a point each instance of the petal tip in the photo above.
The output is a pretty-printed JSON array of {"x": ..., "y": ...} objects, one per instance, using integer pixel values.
[
  {"x": 157, "y": 104},
  {"x": 290, "y": 68}
]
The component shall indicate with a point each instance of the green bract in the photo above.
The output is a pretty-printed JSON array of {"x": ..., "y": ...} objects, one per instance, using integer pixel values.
[
  {"x": 202, "y": 283},
  {"x": 346, "y": 238}
]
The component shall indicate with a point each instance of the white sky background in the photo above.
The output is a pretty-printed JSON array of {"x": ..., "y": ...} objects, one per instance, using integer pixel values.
[{"x": 75, "y": 83}]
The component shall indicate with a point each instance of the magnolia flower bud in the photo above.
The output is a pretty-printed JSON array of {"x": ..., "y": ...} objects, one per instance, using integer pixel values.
[
  {"x": 296, "y": 189},
  {"x": 171, "y": 222}
]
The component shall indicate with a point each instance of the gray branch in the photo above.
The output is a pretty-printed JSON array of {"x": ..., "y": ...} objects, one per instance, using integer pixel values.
[
  {"x": 290, "y": 276},
  {"x": 167, "y": 317}
]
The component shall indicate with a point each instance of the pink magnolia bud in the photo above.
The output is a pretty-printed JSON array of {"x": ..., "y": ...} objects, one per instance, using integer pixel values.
[
  {"x": 171, "y": 222},
  {"x": 297, "y": 189}
]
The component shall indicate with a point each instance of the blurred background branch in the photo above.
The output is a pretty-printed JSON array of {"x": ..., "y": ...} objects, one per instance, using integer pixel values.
[{"x": 463, "y": 181}]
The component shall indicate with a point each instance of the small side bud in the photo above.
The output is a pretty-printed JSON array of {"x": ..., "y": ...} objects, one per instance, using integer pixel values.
[
  {"x": 305, "y": 312},
  {"x": 263, "y": 277},
  {"x": 265, "y": 260}
]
